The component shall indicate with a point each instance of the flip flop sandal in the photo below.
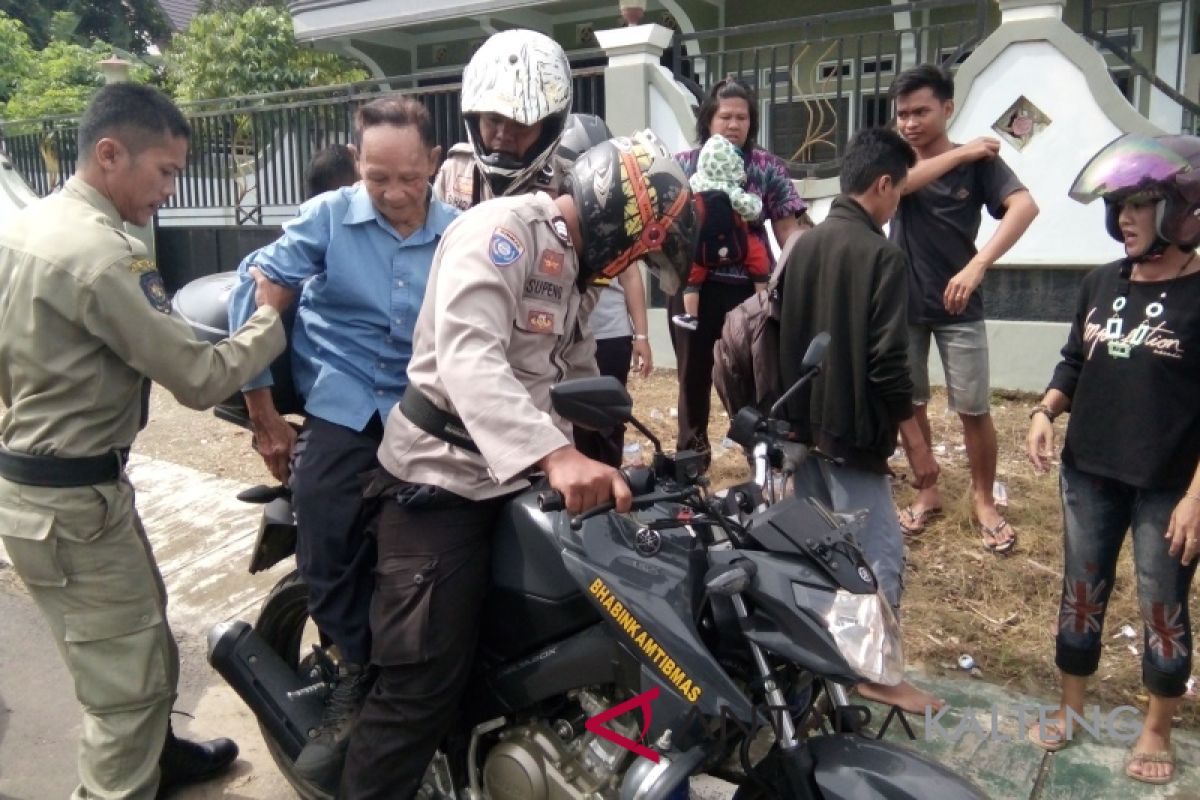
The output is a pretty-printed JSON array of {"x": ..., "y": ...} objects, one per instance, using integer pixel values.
[
  {"x": 912, "y": 523},
  {"x": 1035, "y": 734},
  {"x": 998, "y": 548},
  {"x": 1150, "y": 757}
]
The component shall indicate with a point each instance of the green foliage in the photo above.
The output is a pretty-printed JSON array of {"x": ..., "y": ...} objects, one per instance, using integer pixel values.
[
  {"x": 16, "y": 56},
  {"x": 61, "y": 80},
  {"x": 227, "y": 54},
  {"x": 131, "y": 25}
]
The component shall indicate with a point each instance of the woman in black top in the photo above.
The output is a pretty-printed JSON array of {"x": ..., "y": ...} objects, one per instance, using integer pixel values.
[{"x": 1130, "y": 376}]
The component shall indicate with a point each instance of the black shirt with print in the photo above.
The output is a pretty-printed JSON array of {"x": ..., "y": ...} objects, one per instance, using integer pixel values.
[
  {"x": 1131, "y": 367},
  {"x": 936, "y": 227}
]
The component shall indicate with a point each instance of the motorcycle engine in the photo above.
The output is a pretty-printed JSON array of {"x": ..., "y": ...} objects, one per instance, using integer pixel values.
[{"x": 560, "y": 760}]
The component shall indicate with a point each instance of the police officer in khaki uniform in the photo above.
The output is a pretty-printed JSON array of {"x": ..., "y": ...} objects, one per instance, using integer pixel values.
[
  {"x": 503, "y": 319},
  {"x": 516, "y": 96},
  {"x": 516, "y": 103},
  {"x": 84, "y": 325}
]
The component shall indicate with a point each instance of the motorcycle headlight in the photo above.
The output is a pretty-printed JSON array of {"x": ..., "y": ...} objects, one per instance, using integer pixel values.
[{"x": 867, "y": 634}]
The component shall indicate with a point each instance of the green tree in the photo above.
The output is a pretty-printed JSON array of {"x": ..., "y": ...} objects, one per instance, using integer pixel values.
[
  {"x": 227, "y": 54},
  {"x": 16, "y": 57},
  {"x": 131, "y": 25},
  {"x": 61, "y": 80}
]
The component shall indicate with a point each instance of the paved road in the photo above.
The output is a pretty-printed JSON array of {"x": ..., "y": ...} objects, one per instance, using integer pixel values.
[{"x": 202, "y": 536}]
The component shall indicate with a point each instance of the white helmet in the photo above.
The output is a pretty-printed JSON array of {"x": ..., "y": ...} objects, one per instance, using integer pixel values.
[{"x": 525, "y": 76}]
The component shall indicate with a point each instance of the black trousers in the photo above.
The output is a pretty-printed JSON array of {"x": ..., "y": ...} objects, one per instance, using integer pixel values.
[
  {"x": 694, "y": 357},
  {"x": 334, "y": 554},
  {"x": 613, "y": 357},
  {"x": 430, "y": 584}
]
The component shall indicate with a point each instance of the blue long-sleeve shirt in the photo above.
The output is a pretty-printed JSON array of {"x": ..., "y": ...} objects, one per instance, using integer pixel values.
[{"x": 352, "y": 337}]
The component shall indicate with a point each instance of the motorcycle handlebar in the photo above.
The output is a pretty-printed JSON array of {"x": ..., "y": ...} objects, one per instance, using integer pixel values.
[{"x": 641, "y": 481}]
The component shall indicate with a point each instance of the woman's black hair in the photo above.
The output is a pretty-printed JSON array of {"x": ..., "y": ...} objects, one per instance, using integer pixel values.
[{"x": 727, "y": 89}]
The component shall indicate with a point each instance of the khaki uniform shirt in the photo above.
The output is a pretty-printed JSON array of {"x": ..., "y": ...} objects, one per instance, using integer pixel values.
[
  {"x": 84, "y": 317},
  {"x": 455, "y": 181},
  {"x": 501, "y": 323}
]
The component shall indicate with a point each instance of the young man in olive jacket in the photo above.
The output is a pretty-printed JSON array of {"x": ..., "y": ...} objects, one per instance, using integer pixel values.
[{"x": 846, "y": 278}]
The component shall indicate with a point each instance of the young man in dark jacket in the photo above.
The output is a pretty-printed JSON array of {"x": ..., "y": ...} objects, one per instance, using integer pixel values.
[{"x": 846, "y": 278}]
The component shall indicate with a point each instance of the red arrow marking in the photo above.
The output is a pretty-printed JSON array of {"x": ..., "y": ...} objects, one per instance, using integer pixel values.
[{"x": 596, "y": 724}]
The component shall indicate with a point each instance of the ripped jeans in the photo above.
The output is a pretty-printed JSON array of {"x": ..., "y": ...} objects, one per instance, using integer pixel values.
[{"x": 1097, "y": 512}]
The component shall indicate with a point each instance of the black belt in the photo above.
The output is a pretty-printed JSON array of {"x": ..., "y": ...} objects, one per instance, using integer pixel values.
[
  {"x": 61, "y": 473},
  {"x": 421, "y": 412}
]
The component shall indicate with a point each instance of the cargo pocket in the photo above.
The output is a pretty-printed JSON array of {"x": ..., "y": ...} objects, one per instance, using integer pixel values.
[
  {"x": 118, "y": 657},
  {"x": 400, "y": 610},
  {"x": 31, "y": 547}
]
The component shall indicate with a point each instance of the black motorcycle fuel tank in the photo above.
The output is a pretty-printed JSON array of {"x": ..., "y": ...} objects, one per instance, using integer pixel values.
[
  {"x": 533, "y": 600},
  {"x": 638, "y": 579}
]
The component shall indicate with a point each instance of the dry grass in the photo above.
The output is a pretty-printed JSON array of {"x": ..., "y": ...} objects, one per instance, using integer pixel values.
[{"x": 960, "y": 598}]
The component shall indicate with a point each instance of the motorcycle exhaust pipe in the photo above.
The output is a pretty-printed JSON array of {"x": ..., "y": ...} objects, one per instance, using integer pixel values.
[
  {"x": 646, "y": 780},
  {"x": 273, "y": 691}
]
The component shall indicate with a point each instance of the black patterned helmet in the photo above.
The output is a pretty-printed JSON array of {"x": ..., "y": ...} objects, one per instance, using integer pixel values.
[
  {"x": 581, "y": 132},
  {"x": 634, "y": 203}
]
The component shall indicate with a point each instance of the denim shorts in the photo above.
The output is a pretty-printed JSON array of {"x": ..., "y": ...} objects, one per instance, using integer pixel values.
[{"x": 964, "y": 350}]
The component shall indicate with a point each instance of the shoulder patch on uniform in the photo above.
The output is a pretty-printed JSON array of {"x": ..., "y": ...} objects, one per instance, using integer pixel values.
[
  {"x": 152, "y": 286},
  {"x": 140, "y": 266},
  {"x": 541, "y": 321},
  {"x": 560, "y": 230},
  {"x": 551, "y": 263},
  {"x": 505, "y": 248}
]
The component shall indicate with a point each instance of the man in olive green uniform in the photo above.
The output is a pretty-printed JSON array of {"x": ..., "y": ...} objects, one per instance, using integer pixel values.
[{"x": 84, "y": 324}]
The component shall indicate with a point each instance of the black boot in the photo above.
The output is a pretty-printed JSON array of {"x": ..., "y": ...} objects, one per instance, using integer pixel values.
[
  {"x": 320, "y": 762},
  {"x": 184, "y": 762}
]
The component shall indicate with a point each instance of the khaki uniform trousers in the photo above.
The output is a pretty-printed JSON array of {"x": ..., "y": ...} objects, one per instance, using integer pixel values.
[{"x": 85, "y": 558}]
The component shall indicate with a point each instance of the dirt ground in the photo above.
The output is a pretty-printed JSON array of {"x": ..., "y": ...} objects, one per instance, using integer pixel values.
[{"x": 958, "y": 599}]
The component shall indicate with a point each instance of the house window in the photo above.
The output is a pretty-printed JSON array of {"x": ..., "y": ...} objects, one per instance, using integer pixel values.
[
  {"x": 1128, "y": 39},
  {"x": 867, "y": 68},
  {"x": 875, "y": 111},
  {"x": 948, "y": 53},
  {"x": 1126, "y": 83},
  {"x": 829, "y": 70}
]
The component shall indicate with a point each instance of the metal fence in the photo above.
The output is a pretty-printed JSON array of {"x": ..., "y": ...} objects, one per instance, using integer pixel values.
[
  {"x": 829, "y": 74},
  {"x": 247, "y": 153},
  {"x": 1121, "y": 29}
]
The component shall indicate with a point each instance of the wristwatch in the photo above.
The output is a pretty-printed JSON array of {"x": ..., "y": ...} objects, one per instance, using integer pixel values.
[
  {"x": 641, "y": 337},
  {"x": 1042, "y": 408}
]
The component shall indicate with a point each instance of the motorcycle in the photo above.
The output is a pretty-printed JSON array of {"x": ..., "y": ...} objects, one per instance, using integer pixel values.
[{"x": 733, "y": 623}]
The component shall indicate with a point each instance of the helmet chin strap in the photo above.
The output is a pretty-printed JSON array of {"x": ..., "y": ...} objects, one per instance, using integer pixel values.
[{"x": 1153, "y": 253}]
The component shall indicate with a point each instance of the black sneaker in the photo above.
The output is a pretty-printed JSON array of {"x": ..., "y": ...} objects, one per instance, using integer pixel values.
[
  {"x": 686, "y": 321},
  {"x": 320, "y": 762},
  {"x": 185, "y": 762}
]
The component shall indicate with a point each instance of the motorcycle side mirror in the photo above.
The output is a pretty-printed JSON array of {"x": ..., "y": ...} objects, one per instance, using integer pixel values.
[
  {"x": 814, "y": 356},
  {"x": 597, "y": 404},
  {"x": 810, "y": 365}
]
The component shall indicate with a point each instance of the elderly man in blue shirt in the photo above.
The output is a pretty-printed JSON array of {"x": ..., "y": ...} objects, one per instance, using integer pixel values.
[{"x": 362, "y": 254}]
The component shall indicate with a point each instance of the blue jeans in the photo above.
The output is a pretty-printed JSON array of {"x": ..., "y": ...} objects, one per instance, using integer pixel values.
[
  {"x": 881, "y": 540},
  {"x": 1097, "y": 512}
]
